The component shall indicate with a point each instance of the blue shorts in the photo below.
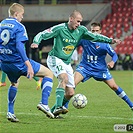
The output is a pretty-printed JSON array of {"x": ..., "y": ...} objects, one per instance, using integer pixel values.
[
  {"x": 97, "y": 75},
  {"x": 15, "y": 70}
]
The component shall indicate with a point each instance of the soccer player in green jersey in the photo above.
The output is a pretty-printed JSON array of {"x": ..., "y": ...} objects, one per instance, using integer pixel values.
[{"x": 66, "y": 37}]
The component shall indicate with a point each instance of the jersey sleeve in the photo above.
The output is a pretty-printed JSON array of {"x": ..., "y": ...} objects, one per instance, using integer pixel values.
[
  {"x": 21, "y": 49},
  {"x": 1, "y": 41},
  {"x": 112, "y": 53},
  {"x": 21, "y": 34},
  {"x": 21, "y": 38},
  {"x": 46, "y": 34},
  {"x": 81, "y": 42},
  {"x": 95, "y": 37}
]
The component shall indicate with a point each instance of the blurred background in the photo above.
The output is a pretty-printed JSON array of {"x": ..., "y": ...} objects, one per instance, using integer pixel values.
[{"x": 114, "y": 15}]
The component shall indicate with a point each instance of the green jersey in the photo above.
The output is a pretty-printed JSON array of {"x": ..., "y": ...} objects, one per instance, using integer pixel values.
[{"x": 66, "y": 40}]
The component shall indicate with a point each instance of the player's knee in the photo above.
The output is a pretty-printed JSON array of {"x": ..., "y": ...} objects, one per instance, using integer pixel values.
[
  {"x": 71, "y": 93},
  {"x": 69, "y": 96},
  {"x": 14, "y": 85},
  {"x": 63, "y": 80}
]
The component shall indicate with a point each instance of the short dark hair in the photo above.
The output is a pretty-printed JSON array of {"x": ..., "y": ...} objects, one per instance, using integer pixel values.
[
  {"x": 94, "y": 24},
  {"x": 74, "y": 13}
]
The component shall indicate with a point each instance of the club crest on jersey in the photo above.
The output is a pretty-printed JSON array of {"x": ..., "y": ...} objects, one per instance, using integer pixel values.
[
  {"x": 97, "y": 47},
  {"x": 49, "y": 30},
  {"x": 68, "y": 49}
]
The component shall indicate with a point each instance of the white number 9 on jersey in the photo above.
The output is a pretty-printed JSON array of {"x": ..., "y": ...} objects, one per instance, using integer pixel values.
[{"x": 5, "y": 36}]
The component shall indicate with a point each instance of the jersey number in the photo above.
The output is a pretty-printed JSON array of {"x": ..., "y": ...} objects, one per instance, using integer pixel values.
[
  {"x": 59, "y": 68},
  {"x": 5, "y": 36}
]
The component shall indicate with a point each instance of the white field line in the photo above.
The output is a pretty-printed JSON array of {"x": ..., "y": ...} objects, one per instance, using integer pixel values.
[
  {"x": 81, "y": 117},
  {"x": 106, "y": 117}
]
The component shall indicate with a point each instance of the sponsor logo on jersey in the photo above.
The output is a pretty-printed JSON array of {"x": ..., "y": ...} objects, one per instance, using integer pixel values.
[
  {"x": 8, "y": 25},
  {"x": 69, "y": 40},
  {"x": 68, "y": 49},
  {"x": 5, "y": 51}
]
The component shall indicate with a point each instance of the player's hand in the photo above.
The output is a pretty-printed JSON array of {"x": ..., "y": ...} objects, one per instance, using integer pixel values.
[
  {"x": 34, "y": 45},
  {"x": 30, "y": 72},
  {"x": 110, "y": 64},
  {"x": 118, "y": 41}
]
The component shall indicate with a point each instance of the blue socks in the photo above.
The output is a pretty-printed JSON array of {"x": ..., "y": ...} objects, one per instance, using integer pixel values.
[
  {"x": 11, "y": 98},
  {"x": 123, "y": 95},
  {"x": 46, "y": 86}
]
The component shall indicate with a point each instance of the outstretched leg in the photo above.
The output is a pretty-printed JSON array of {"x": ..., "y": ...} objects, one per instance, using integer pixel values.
[{"x": 119, "y": 91}]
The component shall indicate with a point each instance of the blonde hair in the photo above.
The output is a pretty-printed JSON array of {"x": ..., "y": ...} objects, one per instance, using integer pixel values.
[{"x": 15, "y": 7}]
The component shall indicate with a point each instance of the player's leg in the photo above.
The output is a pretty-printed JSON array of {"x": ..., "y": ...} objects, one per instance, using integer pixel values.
[
  {"x": 69, "y": 89},
  {"x": 119, "y": 91},
  {"x": 60, "y": 92},
  {"x": 77, "y": 79},
  {"x": 46, "y": 86},
  {"x": 3, "y": 79},
  {"x": 12, "y": 93},
  {"x": 13, "y": 74},
  {"x": 57, "y": 66},
  {"x": 81, "y": 74}
]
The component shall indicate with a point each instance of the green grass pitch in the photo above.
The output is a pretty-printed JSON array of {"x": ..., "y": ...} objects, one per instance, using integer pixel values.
[{"x": 103, "y": 111}]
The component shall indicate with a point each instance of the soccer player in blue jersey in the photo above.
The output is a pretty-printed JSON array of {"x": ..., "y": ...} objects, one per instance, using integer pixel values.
[
  {"x": 15, "y": 62},
  {"x": 93, "y": 64}
]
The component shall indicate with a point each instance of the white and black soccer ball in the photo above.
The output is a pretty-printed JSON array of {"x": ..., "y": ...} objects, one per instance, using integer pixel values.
[{"x": 79, "y": 101}]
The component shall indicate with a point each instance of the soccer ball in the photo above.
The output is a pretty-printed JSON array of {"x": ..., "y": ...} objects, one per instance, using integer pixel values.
[{"x": 79, "y": 101}]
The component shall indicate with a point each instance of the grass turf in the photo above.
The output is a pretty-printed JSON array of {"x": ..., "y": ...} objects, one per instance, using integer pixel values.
[{"x": 103, "y": 111}]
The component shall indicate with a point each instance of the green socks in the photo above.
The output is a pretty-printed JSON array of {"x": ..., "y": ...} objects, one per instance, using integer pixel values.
[
  {"x": 59, "y": 98},
  {"x": 3, "y": 79},
  {"x": 36, "y": 78}
]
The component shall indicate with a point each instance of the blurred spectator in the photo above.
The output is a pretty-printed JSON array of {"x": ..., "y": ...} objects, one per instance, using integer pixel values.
[
  {"x": 127, "y": 62},
  {"x": 131, "y": 66},
  {"x": 119, "y": 63}
]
